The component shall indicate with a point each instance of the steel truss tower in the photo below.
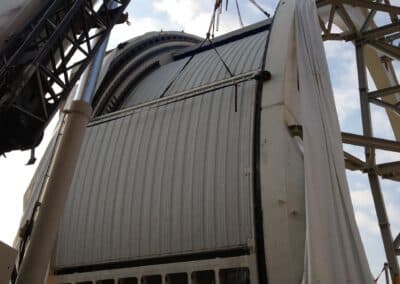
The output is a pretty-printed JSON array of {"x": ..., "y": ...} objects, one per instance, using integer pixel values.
[{"x": 356, "y": 19}]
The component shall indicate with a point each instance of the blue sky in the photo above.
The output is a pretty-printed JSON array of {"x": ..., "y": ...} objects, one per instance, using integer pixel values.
[{"x": 193, "y": 16}]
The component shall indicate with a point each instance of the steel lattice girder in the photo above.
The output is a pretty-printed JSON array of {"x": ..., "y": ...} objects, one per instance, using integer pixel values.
[
  {"x": 39, "y": 66},
  {"x": 364, "y": 31}
]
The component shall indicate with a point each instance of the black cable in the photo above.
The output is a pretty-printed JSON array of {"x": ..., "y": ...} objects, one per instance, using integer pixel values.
[
  {"x": 180, "y": 71},
  {"x": 239, "y": 14},
  {"x": 260, "y": 8},
  {"x": 209, "y": 34},
  {"x": 227, "y": 68}
]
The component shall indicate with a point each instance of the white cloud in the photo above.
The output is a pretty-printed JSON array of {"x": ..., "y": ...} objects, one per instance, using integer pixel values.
[
  {"x": 362, "y": 198},
  {"x": 194, "y": 16},
  {"x": 138, "y": 26},
  {"x": 367, "y": 223},
  {"x": 342, "y": 68},
  {"x": 393, "y": 212},
  {"x": 15, "y": 179},
  {"x": 380, "y": 123},
  {"x": 189, "y": 15},
  {"x": 386, "y": 156}
]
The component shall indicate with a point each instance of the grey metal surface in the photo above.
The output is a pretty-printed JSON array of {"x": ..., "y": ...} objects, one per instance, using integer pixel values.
[
  {"x": 169, "y": 180},
  {"x": 241, "y": 56},
  {"x": 172, "y": 179},
  {"x": 133, "y": 60}
]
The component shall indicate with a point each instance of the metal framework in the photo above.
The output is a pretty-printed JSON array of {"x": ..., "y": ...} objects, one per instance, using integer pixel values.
[
  {"x": 42, "y": 63},
  {"x": 384, "y": 38}
]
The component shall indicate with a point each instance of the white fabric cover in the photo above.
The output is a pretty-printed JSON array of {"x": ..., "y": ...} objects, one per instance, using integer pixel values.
[{"x": 334, "y": 251}]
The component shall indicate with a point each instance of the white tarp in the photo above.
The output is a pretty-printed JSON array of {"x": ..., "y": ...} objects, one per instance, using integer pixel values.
[{"x": 334, "y": 251}]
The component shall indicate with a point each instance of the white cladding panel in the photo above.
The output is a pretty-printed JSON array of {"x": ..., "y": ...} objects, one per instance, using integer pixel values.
[{"x": 162, "y": 181}]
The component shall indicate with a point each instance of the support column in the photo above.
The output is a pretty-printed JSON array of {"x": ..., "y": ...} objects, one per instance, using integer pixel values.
[
  {"x": 36, "y": 259},
  {"x": 371, "y": 163}
]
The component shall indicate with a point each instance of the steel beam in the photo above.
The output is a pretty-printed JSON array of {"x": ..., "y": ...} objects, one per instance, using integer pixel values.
[
  {"x": 373, "y": 34},
  {"x": 37, "y": 62},
  {"x": 373, "y": 5},
  {"x": 372, "y": 172},
  {"x": 384, "y": 92},
  {"x": 381, "y": 31},
  {"x": 370, "y": 142},
  {"x": 352, "y": 162},
  {"x": 380, "y": 39},
  {"x": 363, "y": 4},
  {"x": 388, "y": 49},
  {"x": 386, "y": 105},
  {"x": 389, "y": 170}
]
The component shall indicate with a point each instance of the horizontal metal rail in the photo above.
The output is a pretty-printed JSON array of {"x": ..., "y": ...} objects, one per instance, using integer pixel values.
[
  {"x": 355, "y": 139},
  {"x": 211, "y": 87},
  {"x": 378, "y": 143},
  {"x": 387, "y": 170},
  {"x": 384, "y": 92}
]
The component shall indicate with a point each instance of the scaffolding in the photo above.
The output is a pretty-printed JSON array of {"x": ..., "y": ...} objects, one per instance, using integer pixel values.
[{"x": 371, "y": 39}]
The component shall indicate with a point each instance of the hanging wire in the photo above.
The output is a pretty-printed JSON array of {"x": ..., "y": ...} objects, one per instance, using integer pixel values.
[
  {"x": 214, "y": 25},
  {"x": 210, "y": 33},
  {"x": 181, "y": 70},
  {"x": 255, "y": 3},
  {"x": 227, "y": 69},
  {"x": 214, "y": 18},
  {"x": 239, "y": 14},
  {"x": 260, "y": 8}
]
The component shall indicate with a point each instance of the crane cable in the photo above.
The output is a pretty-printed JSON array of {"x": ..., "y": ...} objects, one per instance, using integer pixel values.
[
  {"x": 214, "y": 23},
  {"x": 258, "y": 6},
  {"x": 239, "y": 14}
]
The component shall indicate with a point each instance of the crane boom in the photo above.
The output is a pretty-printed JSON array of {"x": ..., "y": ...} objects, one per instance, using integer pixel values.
[{"x": 40, "y": 65}]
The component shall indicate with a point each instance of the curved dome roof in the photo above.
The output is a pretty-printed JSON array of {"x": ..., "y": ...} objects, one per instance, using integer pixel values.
[
  {"x": 132, "y": 60},
  {"x": 166, "y": 167}
]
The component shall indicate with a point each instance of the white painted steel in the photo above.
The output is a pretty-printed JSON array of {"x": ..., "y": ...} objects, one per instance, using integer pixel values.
[{"x": 281, "y": 161}]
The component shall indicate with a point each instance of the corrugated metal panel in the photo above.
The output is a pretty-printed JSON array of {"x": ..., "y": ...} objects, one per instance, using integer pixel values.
[
  {"x": 169, "y": 180},
  {"x": 134, "y": 59},
  {"x": 205, "y": 67},
  {"x": 163, "y": 181}
]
